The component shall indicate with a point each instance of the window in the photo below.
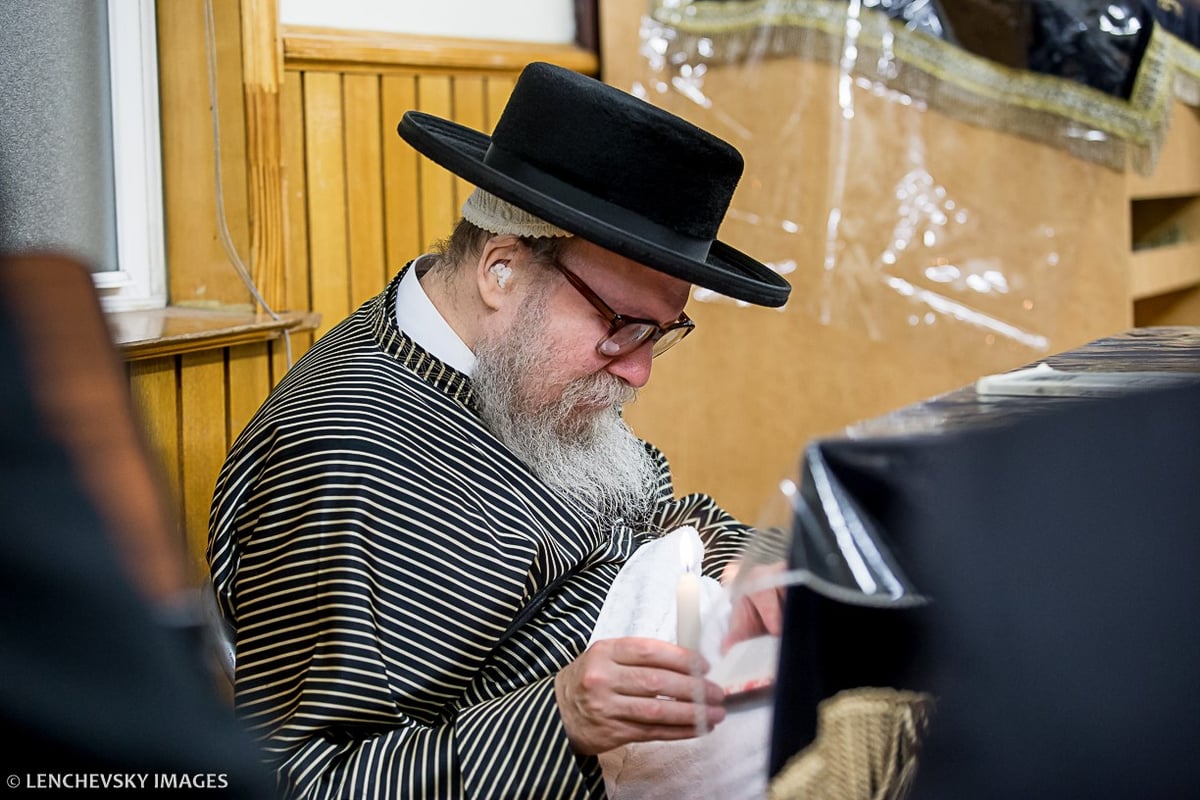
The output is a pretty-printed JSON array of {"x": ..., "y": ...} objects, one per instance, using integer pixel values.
[
  {"x": 79, "y": 165},
  {"x": 550, "y": 21},
  {"x": 139, "y": 279}
]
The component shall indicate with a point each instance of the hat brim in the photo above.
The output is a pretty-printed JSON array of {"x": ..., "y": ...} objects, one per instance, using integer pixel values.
[{"x": 726, "y": 270}]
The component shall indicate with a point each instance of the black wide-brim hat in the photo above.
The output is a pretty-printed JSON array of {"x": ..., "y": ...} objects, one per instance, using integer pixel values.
[{"x": 610, "y": 168}]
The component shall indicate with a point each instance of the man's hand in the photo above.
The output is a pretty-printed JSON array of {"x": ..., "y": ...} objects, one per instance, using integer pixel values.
[
  {"x": 759, "y": 611},
  {"x": 634, "y": 690}
]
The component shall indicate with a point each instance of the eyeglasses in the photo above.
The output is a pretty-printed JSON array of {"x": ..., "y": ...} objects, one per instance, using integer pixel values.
[{"x": 626, "y": 334}]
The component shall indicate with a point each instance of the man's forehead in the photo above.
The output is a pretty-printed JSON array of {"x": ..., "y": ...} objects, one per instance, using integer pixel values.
[
  {"x": 627, "y": 286},
  {"x": 603, "y": 263}
]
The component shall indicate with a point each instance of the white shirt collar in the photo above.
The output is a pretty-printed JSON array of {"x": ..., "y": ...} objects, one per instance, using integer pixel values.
[{"x": 418, "y": 317}]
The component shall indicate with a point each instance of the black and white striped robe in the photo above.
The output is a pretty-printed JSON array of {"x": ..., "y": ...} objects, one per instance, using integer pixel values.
[{"x": 373, "y": 542}]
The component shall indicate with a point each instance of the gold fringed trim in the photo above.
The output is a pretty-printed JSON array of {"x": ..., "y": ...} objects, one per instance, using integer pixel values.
[
  {"x": 867, "y": 747},
  {"x": 1048, "y": 108}
]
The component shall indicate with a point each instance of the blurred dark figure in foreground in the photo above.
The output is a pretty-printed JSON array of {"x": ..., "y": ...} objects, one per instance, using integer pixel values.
[{"x": 100, "y": 672}]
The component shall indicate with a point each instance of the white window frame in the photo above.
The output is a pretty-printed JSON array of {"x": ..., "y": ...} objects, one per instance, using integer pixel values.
[
  {"x": 140, "y": 280},
  {"x": 542, "y": 21}
]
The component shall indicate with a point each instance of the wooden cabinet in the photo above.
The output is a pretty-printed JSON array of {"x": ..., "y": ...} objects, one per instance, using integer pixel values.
[{"x": 1164, "y": 212}]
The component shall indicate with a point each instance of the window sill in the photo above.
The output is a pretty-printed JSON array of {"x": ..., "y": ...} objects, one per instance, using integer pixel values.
[{"x": 175, "y": 329}]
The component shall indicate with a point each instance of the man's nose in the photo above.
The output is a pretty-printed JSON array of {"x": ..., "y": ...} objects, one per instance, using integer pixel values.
[{"x": 633, "y": 367}]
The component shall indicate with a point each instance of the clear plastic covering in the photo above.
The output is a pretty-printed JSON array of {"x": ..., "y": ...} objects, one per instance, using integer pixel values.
[
  {"x": 921, "y": 166},
  {"x": 991, "y": 60}
]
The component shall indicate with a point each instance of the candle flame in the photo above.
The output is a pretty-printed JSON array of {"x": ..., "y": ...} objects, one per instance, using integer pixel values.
[{"x": 687, "y": 553}]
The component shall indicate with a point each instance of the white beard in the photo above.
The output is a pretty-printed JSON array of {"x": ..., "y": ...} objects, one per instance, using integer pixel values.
[{"x": 578, "y": 443}]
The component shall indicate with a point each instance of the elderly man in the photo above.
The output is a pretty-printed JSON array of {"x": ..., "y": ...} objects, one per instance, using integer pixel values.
[{"x": 416, "y": 533}]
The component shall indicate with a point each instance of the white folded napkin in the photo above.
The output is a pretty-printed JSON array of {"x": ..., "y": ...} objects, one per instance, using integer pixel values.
[{"x": 729, "y": 762}]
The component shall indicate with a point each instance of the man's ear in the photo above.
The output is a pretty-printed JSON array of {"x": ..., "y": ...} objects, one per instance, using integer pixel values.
[{"x": 494, "y": 273}]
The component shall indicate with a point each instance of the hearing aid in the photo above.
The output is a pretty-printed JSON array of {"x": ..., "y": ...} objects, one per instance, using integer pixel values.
[{"x": 502, "y": 272}]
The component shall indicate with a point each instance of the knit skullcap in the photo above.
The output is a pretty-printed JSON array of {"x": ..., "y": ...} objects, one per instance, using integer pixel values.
[{"x": 485, "y": 210}]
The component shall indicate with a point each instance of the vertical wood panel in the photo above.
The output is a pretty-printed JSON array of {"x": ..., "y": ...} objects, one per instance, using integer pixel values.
[
  {"x": 262, "y": 70},
  {"x": 154, "y": 384},
  {"x": 248, "y": 382},
  {"x": 438, "y": 213},
  {"x": 202, "y": 429},
  {"x": 283, "y": 353},
  {"x": 470, "y": 109},
  {"x": 200, "y": 272},
  {"x": 325, "y": 172},
  {"x": 364, "y": 186},
  {"x": 291, "y": 104},
  {"x": 401, "y": 185},
  {"x": 235, "y": 187},
  {"x": 498, "y": 89}
]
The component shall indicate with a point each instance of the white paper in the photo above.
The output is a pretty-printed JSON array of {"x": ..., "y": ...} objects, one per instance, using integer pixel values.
[{"x": 1046, "y": 380}]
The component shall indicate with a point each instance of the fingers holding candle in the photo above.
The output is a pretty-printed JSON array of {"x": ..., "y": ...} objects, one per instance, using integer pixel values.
[{"x": 635, "y": 689}]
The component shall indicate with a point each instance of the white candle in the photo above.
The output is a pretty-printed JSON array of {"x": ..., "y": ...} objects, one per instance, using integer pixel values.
[{"x": 687, "y": 600}]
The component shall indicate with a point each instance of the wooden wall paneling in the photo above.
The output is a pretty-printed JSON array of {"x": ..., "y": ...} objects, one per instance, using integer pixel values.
[
  {"x": 203, "y": 443},
  {"x": 1165, "y": 238},
  {"x": 498, "y": 89},
  {"x": 295, "y": 193},
  {"x": 248, "y": 381},
  {"x": 364, "y": 130},
  {"x": 437, "y": 185},
  {"x": 284, "y": 352},
  {"x": 375, "y": 51},
  {"x": 324, "y": 147},
  {"x": 470, "y": 109},
  {"x": 154, "y": 385},
  {"x": 199, "y": 273},
  {"x": 401, "y": 182},
  {"x": 262, "y": 75}
]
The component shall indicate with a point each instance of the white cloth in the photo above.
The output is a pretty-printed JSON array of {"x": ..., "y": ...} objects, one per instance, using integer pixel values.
[
  {"x": 417, "y": 316},
  {"x": 729, "y": 762}
]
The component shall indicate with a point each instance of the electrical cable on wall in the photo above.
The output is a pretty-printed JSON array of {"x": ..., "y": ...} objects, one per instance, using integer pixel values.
[{"x": 210, "y": 41}]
